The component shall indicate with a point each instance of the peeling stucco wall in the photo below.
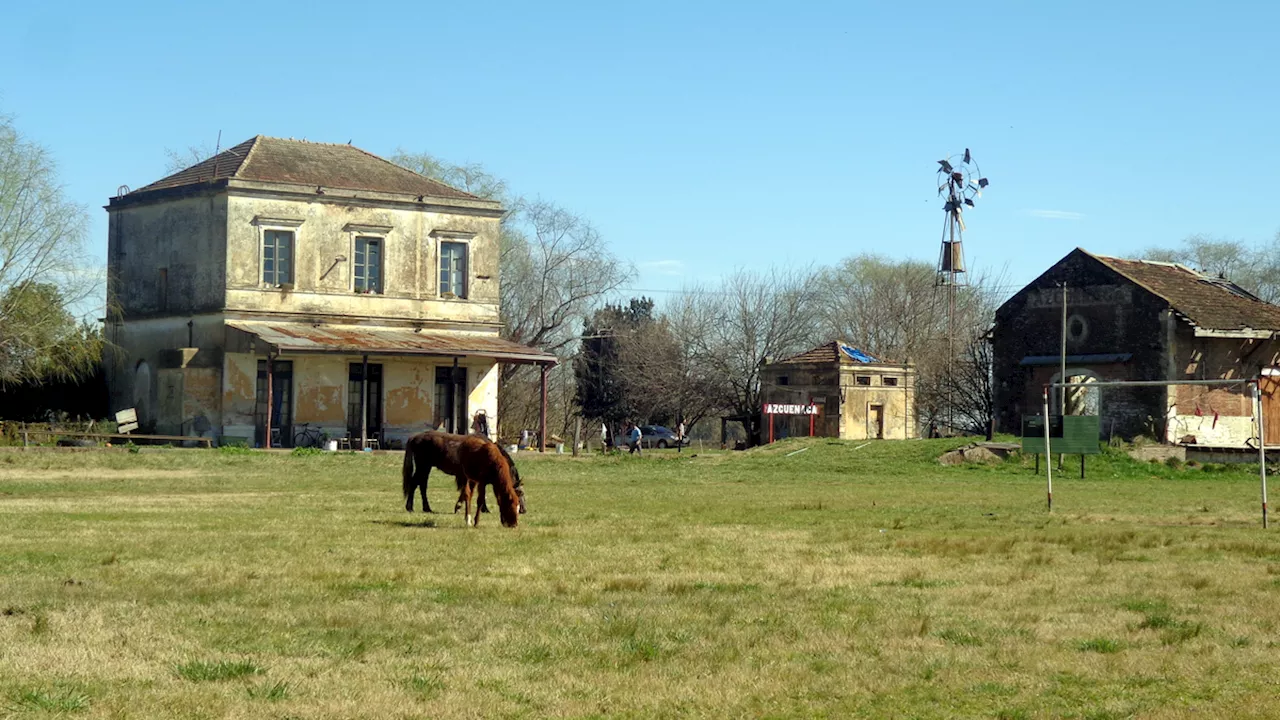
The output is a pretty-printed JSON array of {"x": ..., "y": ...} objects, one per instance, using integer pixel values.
[
  {"x": 897, "y": 403},
  {"x": 168, "y": 257},
  {"x": 320, "y": 386},
  {"x": 324, "y": 252},
  {"x": 239, "y": 391}
]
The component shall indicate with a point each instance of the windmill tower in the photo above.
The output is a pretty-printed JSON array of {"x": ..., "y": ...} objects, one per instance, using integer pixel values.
[{"x": 960, "y": 182}]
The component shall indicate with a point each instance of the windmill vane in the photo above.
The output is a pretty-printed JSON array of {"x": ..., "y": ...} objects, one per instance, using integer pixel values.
[{"x": 960, "y": 180}]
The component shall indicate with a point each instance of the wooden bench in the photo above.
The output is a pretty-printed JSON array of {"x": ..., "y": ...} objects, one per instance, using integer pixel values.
[{"x": 206, "y": 442}]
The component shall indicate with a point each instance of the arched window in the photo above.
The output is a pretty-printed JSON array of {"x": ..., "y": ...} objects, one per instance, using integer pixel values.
[{"x": 1080, "y": 401}]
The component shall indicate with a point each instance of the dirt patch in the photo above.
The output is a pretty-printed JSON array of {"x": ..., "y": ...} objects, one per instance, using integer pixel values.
[{"x": 10, "y": 473}]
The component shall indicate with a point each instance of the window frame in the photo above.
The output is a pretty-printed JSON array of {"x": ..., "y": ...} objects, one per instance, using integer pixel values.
[
  {"x": 382, "y": 234},
  {"x": 281, "y": 225},
  {"x": 858, "y": 380},
  {"x": 381, "y": 240},
  {"x": 889, "y": 381},
  {"x": 465, "y": 244}
]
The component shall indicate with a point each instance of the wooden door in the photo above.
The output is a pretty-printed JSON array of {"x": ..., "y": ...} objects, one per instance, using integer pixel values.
[
  {"x": 875, "y": 422},
  {"x": 1270, "y": 387}
]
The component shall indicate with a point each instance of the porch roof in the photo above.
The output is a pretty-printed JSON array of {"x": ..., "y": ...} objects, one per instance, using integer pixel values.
[{"x": 380, "y": 340}]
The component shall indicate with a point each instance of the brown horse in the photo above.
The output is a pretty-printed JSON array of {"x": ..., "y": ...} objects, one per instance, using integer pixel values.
[{"x": 474, "y": 461}]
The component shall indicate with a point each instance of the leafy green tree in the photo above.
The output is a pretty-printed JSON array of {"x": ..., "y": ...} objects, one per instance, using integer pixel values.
[
  {"x": 607, "y": 370},
  {"x": 41, "y": 340},
  {"x": 43, "y": 269}
]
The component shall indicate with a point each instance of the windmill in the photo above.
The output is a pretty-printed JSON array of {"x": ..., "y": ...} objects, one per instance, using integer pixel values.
[{"x": 960, "y": 182}]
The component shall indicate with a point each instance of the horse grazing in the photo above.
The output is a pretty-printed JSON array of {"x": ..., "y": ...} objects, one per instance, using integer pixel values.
[
  {"x": 473, "y": 460},
  {"x": 515, "y": 474}
]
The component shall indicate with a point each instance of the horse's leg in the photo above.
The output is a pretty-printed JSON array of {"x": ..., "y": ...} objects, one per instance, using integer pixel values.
[
  {"x": 482, "y": 507},
  {"x": 472, "y": 486},
  {"x": 422, "y": 488},
  {"x": 466, "y": 498}
]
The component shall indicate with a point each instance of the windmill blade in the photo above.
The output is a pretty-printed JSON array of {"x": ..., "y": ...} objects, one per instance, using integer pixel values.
[
  {"x": 946, "y": 166},
  {"x": 967, "y": 159},
  {"x": 982, "y": 182}
]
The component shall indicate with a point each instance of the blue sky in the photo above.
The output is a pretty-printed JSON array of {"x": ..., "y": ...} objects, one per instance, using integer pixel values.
[{"x": 703, "y": 137}]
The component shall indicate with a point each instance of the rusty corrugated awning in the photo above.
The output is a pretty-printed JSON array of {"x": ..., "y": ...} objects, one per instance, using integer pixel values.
[{"x": 379, "y": 340}]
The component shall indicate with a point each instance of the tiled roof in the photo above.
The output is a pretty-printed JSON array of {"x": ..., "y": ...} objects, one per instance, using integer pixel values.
[
  {"x": 298, "y": 162},
  {"x": 831, "y": 352},
  {"x": 376, "y": 340},
  {"x": 1207, "y": 302}
]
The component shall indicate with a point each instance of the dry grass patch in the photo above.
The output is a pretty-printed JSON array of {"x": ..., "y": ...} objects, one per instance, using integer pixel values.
[{"x": 836, "y": 582}]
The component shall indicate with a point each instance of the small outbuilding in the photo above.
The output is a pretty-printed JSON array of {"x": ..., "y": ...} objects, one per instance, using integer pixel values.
[{"x": 836, "y": 390}]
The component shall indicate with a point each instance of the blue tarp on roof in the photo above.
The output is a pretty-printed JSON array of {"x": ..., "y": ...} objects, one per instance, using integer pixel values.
[{"x": 857, "y": 355}]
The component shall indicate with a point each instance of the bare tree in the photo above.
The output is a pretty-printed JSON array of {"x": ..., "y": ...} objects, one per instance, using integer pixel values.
[
  {"x": 179, "y": 160},
  {"x": 555, "y": 268},
  {"x": 751, "y": 319},
  {"x": 1254, "y": 268},
  {"x": 563, "y": 270},
  {"x": 44, "y": 272},
  {"x": 895, "y": 310},
  {"x": 970, "y": 387}
]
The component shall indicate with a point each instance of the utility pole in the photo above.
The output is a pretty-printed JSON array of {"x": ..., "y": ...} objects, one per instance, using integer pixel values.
[{"x": 1062, "y": 371}]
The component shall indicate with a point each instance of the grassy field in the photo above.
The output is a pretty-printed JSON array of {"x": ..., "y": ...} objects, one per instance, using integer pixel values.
[{"x": 843, "y": 581}]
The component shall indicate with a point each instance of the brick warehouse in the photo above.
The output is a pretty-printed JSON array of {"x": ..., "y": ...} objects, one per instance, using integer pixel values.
[{"x": 1139, "y": 320}]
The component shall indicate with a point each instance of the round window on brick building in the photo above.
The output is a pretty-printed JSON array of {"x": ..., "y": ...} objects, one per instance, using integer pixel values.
[{"x": 1077, "y": 329}]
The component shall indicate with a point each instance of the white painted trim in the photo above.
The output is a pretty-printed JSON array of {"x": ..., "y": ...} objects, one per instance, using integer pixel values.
[
  {"x": 459, "y": 234},
  {"x": 381, "y": 230},
  {"x": 1236, "y": 334},
  {"x": 278, "y": 222}
]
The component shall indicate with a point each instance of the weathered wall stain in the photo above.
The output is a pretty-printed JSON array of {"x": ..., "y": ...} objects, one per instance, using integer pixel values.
[{"x": 409, "y": 394}]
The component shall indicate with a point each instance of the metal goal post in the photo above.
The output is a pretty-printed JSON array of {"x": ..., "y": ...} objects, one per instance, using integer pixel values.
[{"x": 1254, "y": 383}]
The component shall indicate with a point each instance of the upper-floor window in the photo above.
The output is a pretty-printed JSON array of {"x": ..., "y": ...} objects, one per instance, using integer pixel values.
[
  {"x": 863, "y": 379},
  {"x": 453, "y": 269},
  {"x": 368, "y": 265},
  {"x": 890, "y": 381},
  {"x": 277, "y": 257}
]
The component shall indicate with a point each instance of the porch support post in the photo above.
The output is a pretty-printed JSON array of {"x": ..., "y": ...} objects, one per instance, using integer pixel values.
[
  {"x": 266, "y": 441},
  {"x": 461, "y": 420},
  {"x": 364, "y": 403},
  {"x": 542, "y": 411}
]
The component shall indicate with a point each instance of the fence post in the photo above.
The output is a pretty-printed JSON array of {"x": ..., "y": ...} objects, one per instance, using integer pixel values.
[{"x": 577, "y": 434}]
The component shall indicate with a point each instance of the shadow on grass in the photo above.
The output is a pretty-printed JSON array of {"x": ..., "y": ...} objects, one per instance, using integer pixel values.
[{"x": 423, "y": 523}]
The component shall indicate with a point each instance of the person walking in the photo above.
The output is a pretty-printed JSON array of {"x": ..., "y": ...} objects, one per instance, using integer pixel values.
[
  {"x": 604, "y": 438},
  {"x": 634, "y": 436},
  {"x": 680, "y": 436},
  {"x": 480, "y": 423}
]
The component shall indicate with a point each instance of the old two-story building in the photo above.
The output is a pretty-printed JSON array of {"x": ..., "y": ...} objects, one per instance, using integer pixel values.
[
  {"x": 856, "y": 396},
  {"x": 1139, "y": 320},
  {"x": 345, "y": 293}
]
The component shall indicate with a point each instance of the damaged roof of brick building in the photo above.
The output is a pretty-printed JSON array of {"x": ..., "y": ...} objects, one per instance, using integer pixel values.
[{"x": 1213, "y": 303}]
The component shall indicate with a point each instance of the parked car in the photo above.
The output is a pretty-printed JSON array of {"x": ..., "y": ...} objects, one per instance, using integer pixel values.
[{"x": 651, "y": 436}]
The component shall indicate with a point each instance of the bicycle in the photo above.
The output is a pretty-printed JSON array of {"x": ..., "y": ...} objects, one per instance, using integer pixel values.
[{"x": 309, "y": 437}]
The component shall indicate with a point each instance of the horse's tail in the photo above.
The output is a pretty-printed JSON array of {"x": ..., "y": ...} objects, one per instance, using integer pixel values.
[
  {"x": 409, "y": 483},
  {"x": 516, "y": 482}
]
